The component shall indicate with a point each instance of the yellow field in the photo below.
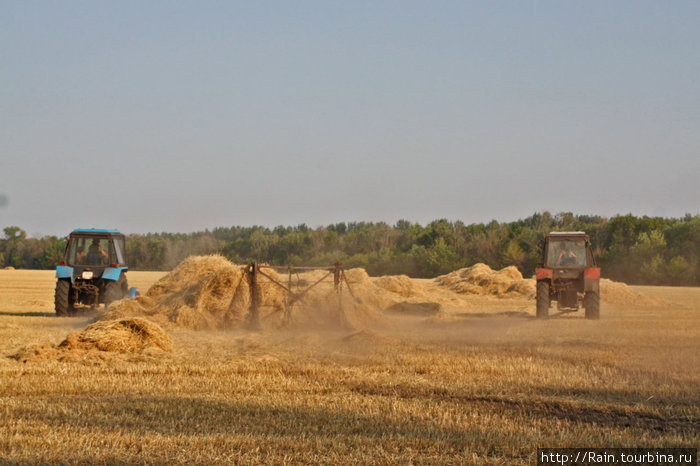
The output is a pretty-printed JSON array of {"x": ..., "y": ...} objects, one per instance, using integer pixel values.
[{"x": 485, "y": 386}]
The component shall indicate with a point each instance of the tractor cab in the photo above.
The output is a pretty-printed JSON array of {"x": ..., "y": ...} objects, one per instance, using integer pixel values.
[
  {"x": 95, "y": 250},
  {"x": 567, "y": 250}
]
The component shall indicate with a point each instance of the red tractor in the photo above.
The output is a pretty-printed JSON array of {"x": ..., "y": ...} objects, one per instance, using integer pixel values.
[{"x": 568, "y": 275}]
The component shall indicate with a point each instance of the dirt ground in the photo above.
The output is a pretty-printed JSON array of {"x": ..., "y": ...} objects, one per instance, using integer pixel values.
[{"x": 482, "y": 382}]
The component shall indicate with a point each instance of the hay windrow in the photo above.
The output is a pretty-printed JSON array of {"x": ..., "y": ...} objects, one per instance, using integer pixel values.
[{"x": 480, "y": 279}]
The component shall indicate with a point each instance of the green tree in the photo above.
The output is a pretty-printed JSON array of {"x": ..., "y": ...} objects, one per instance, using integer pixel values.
[
  {"x": 678, "y": 271},
  {"x": 514, "y": 255},
  {"x": 646, "y": 255}
]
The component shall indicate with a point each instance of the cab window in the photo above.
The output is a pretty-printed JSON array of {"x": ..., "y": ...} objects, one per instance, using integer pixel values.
[
  {"x": 91, "y": 251},
  {"x": 566, "y": 253},
  {"x": 118, "y": 251}
]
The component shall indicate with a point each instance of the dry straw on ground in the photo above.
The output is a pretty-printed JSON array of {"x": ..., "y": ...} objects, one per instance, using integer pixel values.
[
  {"x": 128, "y": 336},
  {"x": 210, "y": 292},
  {"x": 358, "y": 306},
  {"x": 508, "y": 282},
  {"x": 621, "y": 293},
  {"x": 132, "y": 335},
  {"x": 401, "y": 285},
  {"x": 480, "y": 279},
  {"x": 202, "y": 292}
]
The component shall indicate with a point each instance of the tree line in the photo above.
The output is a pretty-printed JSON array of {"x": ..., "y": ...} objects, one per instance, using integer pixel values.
[{"x": 638, "y": 250}]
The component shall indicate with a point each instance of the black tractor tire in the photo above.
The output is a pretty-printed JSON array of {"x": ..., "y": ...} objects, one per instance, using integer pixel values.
[
  {"x": 591, "y": 301},
  {"x": 61, "y": 298},
  {"x": 125, "y": 286},
  {"x": 114, "y": 291},
  {"x": 543, "y": 300}
]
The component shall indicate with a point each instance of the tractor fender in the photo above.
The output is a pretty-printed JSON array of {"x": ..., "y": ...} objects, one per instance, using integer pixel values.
[
  {"x": 591, "y": 279},
  {"x": 64, "y": 271},
  {"x": 113, "y": 273}
]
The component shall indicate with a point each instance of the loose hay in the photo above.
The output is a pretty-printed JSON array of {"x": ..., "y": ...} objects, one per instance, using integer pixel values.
[
  {"x": 132, "y": 335},
  {"x": 202, "y": 293},
  {"x": 480, "y": 279},
  {"x": 401, "y": 285},
  {"x": 621, "y": 293},
  {"x": 138, "y": 306},
  {"x": 361, "y": 305},
  {"x": 209, "y": 292},
  {"x": 100, "y": 340},
  {"x": 525, "y": 287},
  {"x": 36, "y": 352}
]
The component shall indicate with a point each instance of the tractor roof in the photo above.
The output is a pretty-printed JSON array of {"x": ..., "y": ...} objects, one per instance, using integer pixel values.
[
  {"x": 567, "y": 233},
  {"x": 95, "y": 231}
]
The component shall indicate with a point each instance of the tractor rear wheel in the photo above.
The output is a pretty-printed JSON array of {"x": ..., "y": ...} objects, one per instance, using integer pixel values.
[
  {"x": 591, "y": 301},
  {"x": 114, "y": 290},
  {"x": 61, "y": 299},
  {"x": 543, "y": 300}
]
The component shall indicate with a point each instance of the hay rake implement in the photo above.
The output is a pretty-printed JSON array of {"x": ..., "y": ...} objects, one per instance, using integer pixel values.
[{"x": 254, "y": 271}]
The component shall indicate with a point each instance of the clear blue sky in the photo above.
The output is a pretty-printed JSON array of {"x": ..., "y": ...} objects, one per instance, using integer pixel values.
[{"x": 180, "y": 116}]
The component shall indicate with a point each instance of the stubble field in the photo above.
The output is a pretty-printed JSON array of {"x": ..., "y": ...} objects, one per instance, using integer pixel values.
[{"x": 484, "y": 385}]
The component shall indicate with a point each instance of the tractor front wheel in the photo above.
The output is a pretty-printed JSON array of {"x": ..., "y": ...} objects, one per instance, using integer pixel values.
[
  {"x": 61, "y": 299},
  {"x": 543, "y": 300},
  {"x": 591, "y": 301}
]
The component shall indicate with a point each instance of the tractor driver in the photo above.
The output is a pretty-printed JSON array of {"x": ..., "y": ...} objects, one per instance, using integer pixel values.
[
  {"x": 80, "y": 256},
  {"x": 566, "y": 256},
  {"x": 96, "y": 254}
]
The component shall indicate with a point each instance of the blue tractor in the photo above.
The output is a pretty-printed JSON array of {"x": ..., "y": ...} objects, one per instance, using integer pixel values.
[{"x": 92, "y": 272}]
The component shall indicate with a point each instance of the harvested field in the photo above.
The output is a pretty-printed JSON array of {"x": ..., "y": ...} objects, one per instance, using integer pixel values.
[{"x": 482, "y": 382}]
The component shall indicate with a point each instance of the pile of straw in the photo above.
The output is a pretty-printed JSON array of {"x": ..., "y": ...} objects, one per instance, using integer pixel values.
[
  {"x": 621, "y": 293},
  {"x": 133, "y": 335},
  {"x": 480, "y": 279},
  {"x": 103, "y": 340},
  {"x": 202, "y": 292},
  {"x": 401, "y": 285}
]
